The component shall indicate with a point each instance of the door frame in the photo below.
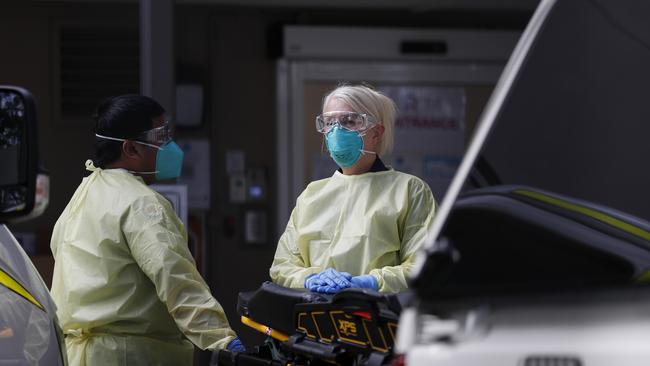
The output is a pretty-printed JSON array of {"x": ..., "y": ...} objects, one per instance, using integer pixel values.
[{"x": 294, "y": 71}]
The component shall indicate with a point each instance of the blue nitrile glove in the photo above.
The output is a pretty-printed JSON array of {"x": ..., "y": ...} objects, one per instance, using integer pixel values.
[
  {"x": 365, "y": 281},
  {"x": 236, "y": 346},
  {"x": 328, "y": 281},
  {"x": 335, "y": 278},
  {"x": 315, "y": 284}
]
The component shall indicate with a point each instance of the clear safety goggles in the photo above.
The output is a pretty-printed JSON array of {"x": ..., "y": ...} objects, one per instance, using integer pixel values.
[
  {"x": 352, "y": 121},
  {"x": 158, "y": 135}
]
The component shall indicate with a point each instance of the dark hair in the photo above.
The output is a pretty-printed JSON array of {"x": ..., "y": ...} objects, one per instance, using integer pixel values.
[{"x": 125, "y": 117}]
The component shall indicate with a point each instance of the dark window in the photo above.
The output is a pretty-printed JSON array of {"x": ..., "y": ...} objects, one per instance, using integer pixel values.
[{"x": 95, "y": 63}]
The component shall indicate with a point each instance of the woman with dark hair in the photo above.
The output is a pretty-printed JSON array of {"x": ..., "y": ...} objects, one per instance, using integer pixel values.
[{"x": 125, "y": 284}]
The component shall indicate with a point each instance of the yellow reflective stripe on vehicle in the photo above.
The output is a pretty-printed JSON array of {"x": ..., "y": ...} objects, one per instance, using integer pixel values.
[
  {"x": 264, "y": 329},
  {"x": 7, "y": 281},
  {"x": 629, "y": 228},
  {"x": 644, "y": 277}
]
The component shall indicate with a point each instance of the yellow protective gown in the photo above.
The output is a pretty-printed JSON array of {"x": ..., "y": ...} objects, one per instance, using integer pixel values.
[
  {"x": 371, "y": 223},
  {"x": 125, "y": 284}
]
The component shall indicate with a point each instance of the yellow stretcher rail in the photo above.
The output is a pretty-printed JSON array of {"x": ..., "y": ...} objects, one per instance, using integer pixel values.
[
  {"x": 7, "y": 281},
  {"x": 264, "y": 329}
]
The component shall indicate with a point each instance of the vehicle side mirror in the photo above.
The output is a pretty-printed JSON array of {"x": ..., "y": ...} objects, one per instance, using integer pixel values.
[{"x": 18, "y": 153}]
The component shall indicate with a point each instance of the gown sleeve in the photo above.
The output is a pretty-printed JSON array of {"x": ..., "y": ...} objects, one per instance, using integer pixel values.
[{"x": 158, "y": 242}]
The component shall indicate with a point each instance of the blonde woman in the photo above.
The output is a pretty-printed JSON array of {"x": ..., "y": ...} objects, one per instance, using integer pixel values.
[{"x": 362, "y": 226}]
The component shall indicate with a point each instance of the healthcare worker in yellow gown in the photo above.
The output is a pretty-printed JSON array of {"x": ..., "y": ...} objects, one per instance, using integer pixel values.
[
  {"x": 125, "y": 284},
  {"x": 362, "y": 226}
]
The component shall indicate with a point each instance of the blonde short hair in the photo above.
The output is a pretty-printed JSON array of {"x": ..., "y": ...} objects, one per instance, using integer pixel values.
[{"x": 363, "y": 99}]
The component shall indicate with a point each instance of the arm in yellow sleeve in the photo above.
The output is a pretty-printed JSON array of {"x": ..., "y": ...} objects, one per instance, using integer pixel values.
[
  {"x": 289, "y": 268},
  {"x": 158, "y": 243},
  {"x": 417, "y": 223}
]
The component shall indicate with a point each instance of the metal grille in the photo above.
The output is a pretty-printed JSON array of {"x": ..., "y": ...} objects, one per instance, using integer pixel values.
[
  {"x": 95, "y": 62},
  {"x": 552, "y": 361}
]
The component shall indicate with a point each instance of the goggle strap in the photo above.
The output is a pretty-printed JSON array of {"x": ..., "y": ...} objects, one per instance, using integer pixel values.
[
  {"x": 139, "y": 142},
  {"x": 109, "y": 138},
  {"x": 122, "y": 140}
]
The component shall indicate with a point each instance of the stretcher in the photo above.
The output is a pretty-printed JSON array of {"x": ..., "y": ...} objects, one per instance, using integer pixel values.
[{"x": 352, "y": 327}]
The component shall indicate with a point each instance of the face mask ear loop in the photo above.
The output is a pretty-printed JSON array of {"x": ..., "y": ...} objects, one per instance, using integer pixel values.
[
  {"x": 150, "y": 145},
  {"x": 363, "y": 134},
  {"x": 134, "y": 172}
]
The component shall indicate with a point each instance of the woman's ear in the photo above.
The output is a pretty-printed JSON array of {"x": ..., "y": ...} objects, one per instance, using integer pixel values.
[{"x": 379, "y": 132}]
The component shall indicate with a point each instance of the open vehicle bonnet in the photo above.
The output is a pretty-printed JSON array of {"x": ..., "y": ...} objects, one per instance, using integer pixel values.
[{"x": 567, "y": 123}]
